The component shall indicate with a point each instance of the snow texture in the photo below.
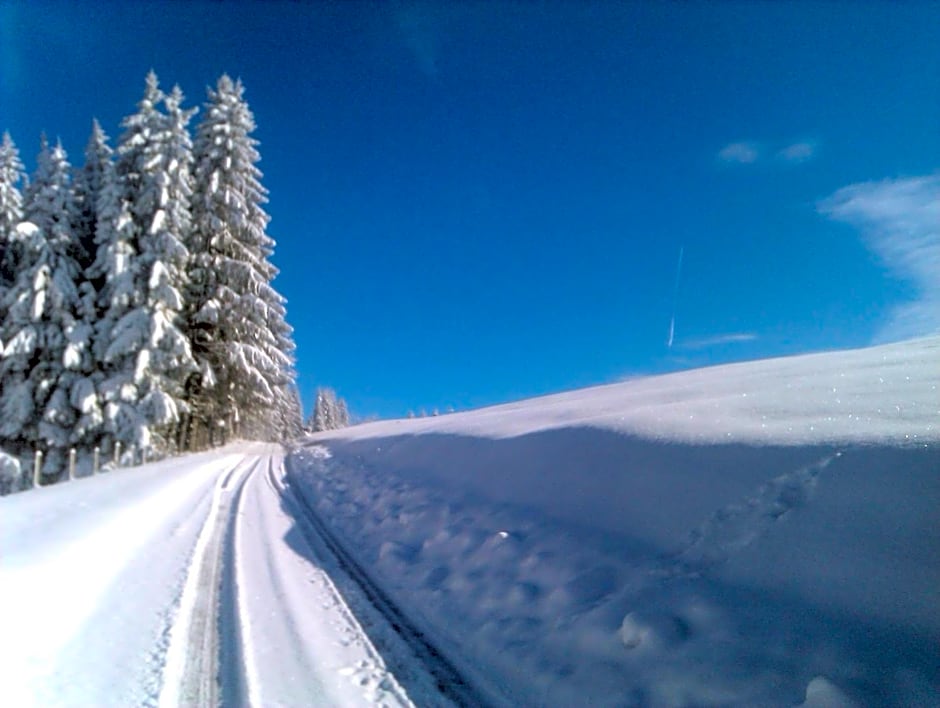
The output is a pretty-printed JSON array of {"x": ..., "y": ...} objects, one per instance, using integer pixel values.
[
  {"x": 10, "y": 473},
  {"x": 120, "y": 586},
  {"x": 754, "y": 534},
  {"x": 597, "y": 547}
]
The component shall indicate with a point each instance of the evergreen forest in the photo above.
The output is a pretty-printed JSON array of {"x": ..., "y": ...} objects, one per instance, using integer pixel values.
[{"x": 137, "y": 306}]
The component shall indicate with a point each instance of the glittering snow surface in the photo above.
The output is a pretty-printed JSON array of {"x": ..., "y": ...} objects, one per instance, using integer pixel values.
[
  {"x": 753, "y": 534},
  {"x": 756, "y": 534}
]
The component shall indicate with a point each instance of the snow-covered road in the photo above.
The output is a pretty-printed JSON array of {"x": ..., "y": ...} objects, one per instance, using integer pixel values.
[
  {"x": 756, "y": 534},
  {"x": 287, "y": 635},
  {"x": 89, "y": 580},
  {"x": 185, "y": 582}
]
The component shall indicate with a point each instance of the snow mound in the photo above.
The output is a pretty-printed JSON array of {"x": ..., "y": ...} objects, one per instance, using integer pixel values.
[
  {"x": 10, "y": 473},
  {"x": 756, "y": 534}
]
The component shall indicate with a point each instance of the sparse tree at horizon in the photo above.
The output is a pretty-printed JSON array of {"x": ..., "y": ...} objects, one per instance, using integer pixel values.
[{"x": 329, "y": 412}]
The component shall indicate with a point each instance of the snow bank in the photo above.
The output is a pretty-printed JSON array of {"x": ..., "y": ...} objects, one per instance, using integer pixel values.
[
  {"x": 760, "y": 534},
  {"x": 11, "y": 473}
]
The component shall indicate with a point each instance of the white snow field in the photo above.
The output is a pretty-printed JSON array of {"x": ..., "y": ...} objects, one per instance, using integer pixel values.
[
  {"x": 178, "y": 583},
  {"x": 758, "y": 534}
]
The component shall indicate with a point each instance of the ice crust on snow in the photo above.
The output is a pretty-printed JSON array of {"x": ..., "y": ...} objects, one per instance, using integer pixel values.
[{"x": 754, "y": 534}]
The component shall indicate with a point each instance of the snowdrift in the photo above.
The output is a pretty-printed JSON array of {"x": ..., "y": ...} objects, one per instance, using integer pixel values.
[{"x": 754, "y": 534}]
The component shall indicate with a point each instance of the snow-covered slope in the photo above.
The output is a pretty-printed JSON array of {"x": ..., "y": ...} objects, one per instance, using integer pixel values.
[{"x": 755, "y": 534}]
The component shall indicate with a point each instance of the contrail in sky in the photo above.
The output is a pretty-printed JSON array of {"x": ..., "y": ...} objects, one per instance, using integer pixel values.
[{"x": 675, "y": 300}]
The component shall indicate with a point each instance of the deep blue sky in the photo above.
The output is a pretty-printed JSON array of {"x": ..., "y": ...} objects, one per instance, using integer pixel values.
[{"x": 477, "y": 202}]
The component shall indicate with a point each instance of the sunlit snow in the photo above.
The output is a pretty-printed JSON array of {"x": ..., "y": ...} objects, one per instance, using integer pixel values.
[{"x": 753, "y": 534}]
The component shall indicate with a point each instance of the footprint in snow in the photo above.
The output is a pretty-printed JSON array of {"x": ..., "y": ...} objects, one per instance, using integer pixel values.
[{"x": 736, "y": 526}]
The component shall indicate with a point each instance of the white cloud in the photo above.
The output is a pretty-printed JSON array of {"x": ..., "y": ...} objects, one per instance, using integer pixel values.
[
  {"x": 742, "y": 153},
  {"x": 797, "y": 152},
  {"x": 900, "y": 221},
  {"x": 717, "y": 340},
  {"x": 748, "y": 152}
]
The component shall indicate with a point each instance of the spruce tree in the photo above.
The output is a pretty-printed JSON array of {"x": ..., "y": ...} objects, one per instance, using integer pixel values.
[
  {"x": 46, "y": 338},
  {"x": 116, "y": 298},
  {"x": 88, "y": 182},
  {"x": 329, "y": 412},
  {"x": 342, "y": 414},
  {"x": 146, "y": 355},
  {"x": 236, "y": 318},
  {"x": 11, "y": 209},
  {"x": 321, "y": 417},
  {"x": 290, "y": 412}
]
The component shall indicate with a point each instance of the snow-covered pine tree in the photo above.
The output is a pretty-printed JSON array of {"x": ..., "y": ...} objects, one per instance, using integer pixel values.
[
  {"x": 172, "y": 241},
  {"x": 117, "y": 296},
  {"x": 145, "y": 354},
  {"x": 46, "y": 340},
  {"x": 16, "y": 408},
  {"x": 342, "y": 413},
  {"x": 236, "y": 320},
  {"x": 11, "y": 209},
  {"x": 329, "y": 412},
  {"x": 322, "y": 417},
  {"x": 87, "y": 184},
  {"x": 290, "y": 414}
]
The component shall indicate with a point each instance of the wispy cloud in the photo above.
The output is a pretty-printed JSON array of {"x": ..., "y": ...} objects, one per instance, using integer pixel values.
[
  {"x": 743, "y": 153},
  {"x": 900, "y": 221},
  {"x": 749, "y": 152},
  {"x": 797, "y": 152},
  {"x": 718, "y": 340}
]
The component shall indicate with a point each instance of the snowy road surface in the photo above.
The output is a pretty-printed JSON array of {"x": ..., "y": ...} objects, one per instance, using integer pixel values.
[
  {"x": 177, "y": 583},
  {"x": 761, "y": 534}
]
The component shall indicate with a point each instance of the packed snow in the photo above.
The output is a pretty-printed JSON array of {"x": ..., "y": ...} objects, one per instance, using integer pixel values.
[
  {"x": 752, "y": 534},
  {"x": 755, "y": 534},
  {"x": 183, "y": 582}
]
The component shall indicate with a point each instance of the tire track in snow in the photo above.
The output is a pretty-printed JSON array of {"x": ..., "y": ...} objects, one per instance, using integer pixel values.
[
  {"x": 195, "y": 665},
  {"x": 301, "y": 644},
  {"x": 237, "y": 677},
  {"x": 451, "y": 685}
]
